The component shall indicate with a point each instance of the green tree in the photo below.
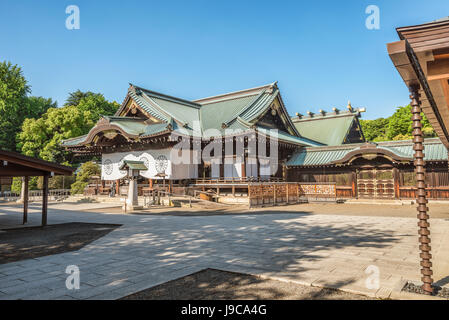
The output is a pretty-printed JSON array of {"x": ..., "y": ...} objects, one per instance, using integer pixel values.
[
  {"x": 75, "y": 97},
  {"x": 15, "y": 105},
  {"x": 396, "y": 127},
  {"x": 57, "y": 182},
  {"x": 42, "y": 137},
  {"x": 400, "y": 124},
  {"x": 17, "y": 184},
  {"x": 97, "y": 105},
  {"x": 86, "y": 171},
  {"x": 374, "y": 129}
]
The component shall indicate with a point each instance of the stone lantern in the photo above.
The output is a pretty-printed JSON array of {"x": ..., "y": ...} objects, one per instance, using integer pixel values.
[{"x": 133, "y": 169}]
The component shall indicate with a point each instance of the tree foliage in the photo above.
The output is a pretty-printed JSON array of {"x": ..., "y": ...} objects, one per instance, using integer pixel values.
[
  {"x": 42, "y": 137},
  {"x": 396, "y": 127},
  {"x": 16, "y": 105},
  {"x": 16, "y": 186},
  {"x": 75, "y": 97},
  {"x": 86, "y": 171}
]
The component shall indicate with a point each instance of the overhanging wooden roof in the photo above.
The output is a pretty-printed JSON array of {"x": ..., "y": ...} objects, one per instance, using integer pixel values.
[
  {"x": 422, "y": 59},
  {"x": 13, "y": 164}
]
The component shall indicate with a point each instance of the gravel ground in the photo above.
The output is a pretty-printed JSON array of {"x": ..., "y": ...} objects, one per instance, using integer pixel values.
[
  {"x": 212, "y": 284},
  {"x": 32, "y": 242},
  {"x": 436, "y": 211},
  {"x": 438, "y": 291}
]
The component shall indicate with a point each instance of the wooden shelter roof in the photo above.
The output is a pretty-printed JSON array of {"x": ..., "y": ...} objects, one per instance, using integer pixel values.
[{"x": 14, "y": 164}]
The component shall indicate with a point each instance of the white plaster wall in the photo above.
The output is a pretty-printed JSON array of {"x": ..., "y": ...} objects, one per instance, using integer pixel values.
[{"x": 112, "y": 161}]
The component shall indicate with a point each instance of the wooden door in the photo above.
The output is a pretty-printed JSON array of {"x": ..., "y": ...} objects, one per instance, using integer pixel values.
[
  {"x": 384, "y": 184},
  {"x": 365, "y": 183},
  {"x": 375, "y": 183}
]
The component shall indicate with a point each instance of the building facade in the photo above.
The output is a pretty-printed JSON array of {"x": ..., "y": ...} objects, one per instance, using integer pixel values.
[{"x": 249, "y": 136}]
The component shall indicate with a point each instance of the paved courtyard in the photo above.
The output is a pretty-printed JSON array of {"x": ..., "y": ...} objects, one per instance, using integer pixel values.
[{"x": 322, "y": 250}]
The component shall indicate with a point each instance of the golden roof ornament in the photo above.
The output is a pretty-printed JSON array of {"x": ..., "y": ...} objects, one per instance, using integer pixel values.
[{"x": 349, "y": 106}]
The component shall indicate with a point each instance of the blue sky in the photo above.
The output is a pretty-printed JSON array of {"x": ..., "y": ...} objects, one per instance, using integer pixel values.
[{"x": 320, "y": 52}]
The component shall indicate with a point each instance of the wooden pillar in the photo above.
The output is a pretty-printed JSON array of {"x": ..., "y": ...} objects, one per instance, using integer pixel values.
[
  {"x": 45, "y": 201},
  {"x": 150, "y": 182},
  {"x": 257, "y": 157},
  {"x": 424, "y": 232},
  {"x": 297, "y": 192},
  {"x": 396, "y": 182},
  {"x": 25, "y": 199},
  {"x": 274, "y": 194},
  {"x": 249, "y": 196},
  {"x": 117, "y": 187},
  {"x": 354, "y": 184},
  {"x": 222, "y": 169}
]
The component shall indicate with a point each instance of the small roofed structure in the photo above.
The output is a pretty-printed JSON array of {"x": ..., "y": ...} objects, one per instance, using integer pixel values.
[
  {"x": 133, "y": 165},
  {"x": 13, "y": 164},
  {"x": 133, "y": 168}
]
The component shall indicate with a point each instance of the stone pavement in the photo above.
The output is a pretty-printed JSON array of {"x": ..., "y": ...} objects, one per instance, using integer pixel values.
[{"x": 320, "y": 250}]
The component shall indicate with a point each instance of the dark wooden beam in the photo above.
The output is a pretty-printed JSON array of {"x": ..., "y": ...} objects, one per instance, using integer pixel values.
[
  {"x": 25, "y": 199},
  {"x": 45, "y": 201}
]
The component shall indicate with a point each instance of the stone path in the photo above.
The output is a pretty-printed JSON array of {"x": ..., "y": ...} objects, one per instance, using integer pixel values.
[{"x": 322, "y": 250}]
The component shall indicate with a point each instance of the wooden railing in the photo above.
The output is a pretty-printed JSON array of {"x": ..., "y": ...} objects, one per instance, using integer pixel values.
[
  {"x": 237, "y": 180},
  {"x": 435, "y": 193},
  {"x": 274, "y": 193},
  {"x": 36, "y": 195}
]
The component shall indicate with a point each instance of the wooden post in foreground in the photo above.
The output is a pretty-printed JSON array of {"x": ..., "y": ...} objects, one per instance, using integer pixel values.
[
  {"x": 25, "y": 199},
  {"x": 423, "y": 224},
  {"x": 45, "y": 201}
]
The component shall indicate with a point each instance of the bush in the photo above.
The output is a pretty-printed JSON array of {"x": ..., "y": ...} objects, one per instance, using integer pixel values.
[
  {"x": 16, "y": 186},
  {"x": 57, "y": 182},
  {"x": 86, "y": 171}
]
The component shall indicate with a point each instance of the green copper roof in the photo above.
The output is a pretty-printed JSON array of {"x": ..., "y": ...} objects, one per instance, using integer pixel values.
[
  {"x": 73, "y": 141},
  {"x": 146, "y": 106},
  {"x": 133, "y": 165},
  {"x": 214, "y": 114},
  {"x": 328, "y": 131},
  {"x": 238, "y": 111},
  {"x": 434, "y": 150},
  {"x": 285, "y": 137},
  {"x": 132, "y": 126},
  {"x": 183, "y": 113}
]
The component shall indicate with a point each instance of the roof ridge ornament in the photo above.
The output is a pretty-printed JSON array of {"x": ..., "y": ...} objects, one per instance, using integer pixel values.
[{"x": 350, "y": 106}]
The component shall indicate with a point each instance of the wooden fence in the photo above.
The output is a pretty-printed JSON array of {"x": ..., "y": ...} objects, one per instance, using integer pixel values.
[{"x": 275, "y": 193}]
